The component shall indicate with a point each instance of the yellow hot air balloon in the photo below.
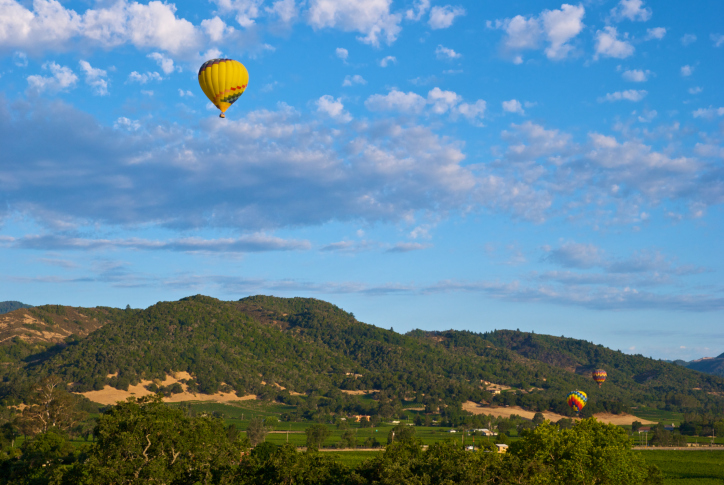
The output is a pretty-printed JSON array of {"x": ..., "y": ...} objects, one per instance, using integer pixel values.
[{"x": 223, "y": 81}]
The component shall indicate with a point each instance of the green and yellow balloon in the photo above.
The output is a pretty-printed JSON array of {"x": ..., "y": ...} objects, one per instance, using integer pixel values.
[{"x": 223, "y": 81}]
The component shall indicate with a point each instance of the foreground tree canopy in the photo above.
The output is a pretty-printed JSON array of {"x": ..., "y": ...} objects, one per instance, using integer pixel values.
[{"x": 145, "y": 441}]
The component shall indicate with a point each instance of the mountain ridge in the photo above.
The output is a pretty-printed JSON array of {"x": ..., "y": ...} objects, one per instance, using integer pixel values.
[
  {"x": 11, "y": 305},
  {"x": 312, "y": 347}
]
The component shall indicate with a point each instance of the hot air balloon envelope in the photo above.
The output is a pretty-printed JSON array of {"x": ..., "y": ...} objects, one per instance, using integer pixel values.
[
  {"x": 223, "y": 81},
  {"x": 599, "y": 376},
  {"x": 576, "y": 400}
]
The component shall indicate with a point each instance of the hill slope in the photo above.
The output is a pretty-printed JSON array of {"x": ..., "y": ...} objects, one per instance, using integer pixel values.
[
  {"x": 32, "y": 332},
  {"x": 714, "y": 366},
  {"x": 310, "y": 346}
]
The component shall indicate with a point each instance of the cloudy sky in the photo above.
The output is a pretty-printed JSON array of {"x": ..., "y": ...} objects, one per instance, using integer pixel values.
[{"x": 474, "y": 165}]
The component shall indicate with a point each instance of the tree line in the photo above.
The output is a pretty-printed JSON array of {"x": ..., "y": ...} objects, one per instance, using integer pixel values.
[{"x": 145, "y": 441}]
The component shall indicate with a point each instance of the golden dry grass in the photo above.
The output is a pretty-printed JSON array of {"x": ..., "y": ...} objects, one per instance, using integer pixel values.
[
  {"x": 110, "y": 395},
  {"x": 506, "y": 412}
]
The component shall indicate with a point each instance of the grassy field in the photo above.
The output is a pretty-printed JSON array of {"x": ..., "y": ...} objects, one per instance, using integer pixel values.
[
  {"x": 688, "y": 467},
  {"x": 296, "y": 436},
  {"x": 658, "y": 415}
]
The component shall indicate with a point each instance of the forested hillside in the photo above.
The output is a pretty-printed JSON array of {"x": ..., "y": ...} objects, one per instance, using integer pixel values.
[
  {"x": 632, "y": 379},
  {"x": 713, "y": 366},
  {"x": 8, "y": 306},
  {"x": 260, "y": 344}
]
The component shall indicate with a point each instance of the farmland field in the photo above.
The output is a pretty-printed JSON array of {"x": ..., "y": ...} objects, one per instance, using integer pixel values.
[
  {"x": 688, "y": 467},
  {"x": 658, "y": 415}
]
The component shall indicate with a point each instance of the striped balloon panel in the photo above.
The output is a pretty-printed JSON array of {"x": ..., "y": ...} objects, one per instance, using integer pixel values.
[
  {"x": 577, "y": 399},
  {"x": 223, "y": 81},
  {"x": 599, "y": 376}
]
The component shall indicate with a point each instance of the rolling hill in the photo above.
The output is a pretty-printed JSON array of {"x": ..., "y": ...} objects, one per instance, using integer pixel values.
[
  {"x": 9, "y": 306},
  {"x": 260, "y": 344}
]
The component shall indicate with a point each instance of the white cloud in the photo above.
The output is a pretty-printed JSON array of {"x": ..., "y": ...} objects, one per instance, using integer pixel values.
[
  {"x": 648, "y": 116},
  {"x": 718, "y": 39},
  {"x": 557, "y": 27},
  {"x": 405, "y": 247},
  {"x": 688, "y": 39},
  {"x": 575, "y": 255},
  {"x": 164, "y": 62},
  {"x": 249, "y": 243},
  {"x": 696, "y": 90},
  {"x": 95, "y": 78},
  {"x": 342, "y": 53},
  {"x": 146, "y": 92},
  {"x": 20, "y": 59},
  {"x": 636, "y": 75},
  {"x": 708, "y": 113},
  {"x": 631, "y": 10},
  {"x": 216, "y": 29},
  {"x": 561, "y": 26},
  {"x": 513, "y": 106},
  {"x": 372, "y": 18},
  {"x": 657, "y": 33},
  {"x": 144, "y": 78},
  {"x": 520, "y": 33},
  {"x": 418, "y": 10},
  {"x": 149, "y": 26},
  {"x": 396, "y": 101},
  {"x": 386, "y": 61},
  {"x": 444, "y": 53},
  {"x": 352, "y": 80},
  {"x": 687, "y": 70},
  {"x": 608, "y": 44},
  {"x": 443, "y": 17},
  {"x": 333, "y": 108},
  {"x": 61, "y": 79},
  {"x": 247, "y": 11},
  {"x": 285, "y": 10},
  {"x": 442, "y": 101},
  {"x": 629, "y": 95},
  {"x": 474, "y": 112},
  {"x": 186, "y": 93},
  {"x": 49, "y": 25},
  {"x": 124, "y": 123}
]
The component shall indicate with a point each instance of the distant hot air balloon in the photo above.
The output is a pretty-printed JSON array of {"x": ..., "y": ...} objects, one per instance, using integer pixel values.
[
  {"x": 599, "y": 376},
  {"x": 576, "y": 400},
  {"x": 223, "y": 81}
]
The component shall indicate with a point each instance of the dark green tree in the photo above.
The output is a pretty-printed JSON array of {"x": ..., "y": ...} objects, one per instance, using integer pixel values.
[
  {"x": 144, "y": 441},
  {"x": 316, "y": 434},
  {"x": 256, "y": 431}
]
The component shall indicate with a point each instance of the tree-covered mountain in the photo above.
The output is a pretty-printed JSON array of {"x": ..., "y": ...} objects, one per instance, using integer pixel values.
[
  {"x": 632, "y": 379},
  {"x": 713, "y": 366},
  {"x": 309, "y": 346},
  {"x": 9, "y": 306}
]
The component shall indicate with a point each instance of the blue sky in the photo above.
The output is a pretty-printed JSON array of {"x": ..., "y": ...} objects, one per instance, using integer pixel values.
[{"x": 474, "y": 165}]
